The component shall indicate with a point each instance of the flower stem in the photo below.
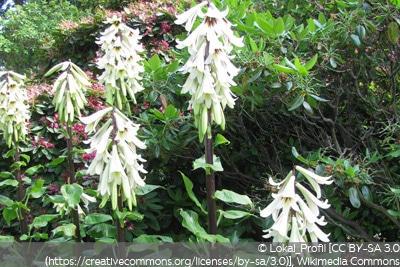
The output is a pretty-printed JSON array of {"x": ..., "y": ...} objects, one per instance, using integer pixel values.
[
  {"x": 210, "y": 181},
  {"x": 20, "y": 194},
  {"x": 74, "y": 212}
]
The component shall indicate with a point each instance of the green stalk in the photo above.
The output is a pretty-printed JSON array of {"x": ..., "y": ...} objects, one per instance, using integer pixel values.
[
  {"x": 210, "y": 180},
  {"x": 20, "y": 194},
  {"x": 74, "y": 212}
]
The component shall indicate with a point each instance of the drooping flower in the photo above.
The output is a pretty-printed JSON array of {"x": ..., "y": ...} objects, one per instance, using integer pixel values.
[
  {"x": 209, "y": 66},
  {"x": 121, "y": 47},
  {"x": 295, "y": 214},
  {"x": 14, "y": 109},
  {"x": 116, "y": 162}
]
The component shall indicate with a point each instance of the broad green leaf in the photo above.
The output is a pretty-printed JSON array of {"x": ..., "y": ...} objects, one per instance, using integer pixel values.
[
  {"x": 189, "y": 190},
  {"x": 9, "y": 214},
  {"x": 154, "y": 62},
  {"x": 291, "y": 65},
  {"x": 96, "y": 218},
  {"x": 366, "y": 192},
  {"x": 33, "y": 170},
  {"x": 228, "y": 196},
  {"x": 307, "y": 107},
  {"x": 173, "y": 66},
  {"x": 279, "y": 26},
  {"x": 283, "y": 68},
  {"x": 394, "y": 153},
  {"x": 102, "y": 230},
  {"x": 37, "y": 190},
  {"x": 43, "y": 220},
  {"x": 147, "y": 188},
  {"x": 72, "y": 194},
  {"x": 354, "y": 198},
  {"x": 10, "y": 182},
  {"x": 360, "y": 31},
  {"x": 171, "y": 112},
  {"x": 355, "y": 39},
  {"x": 152, "y": 239},
  {"x": 6, "y": 239},
  {"x": 394, "y": 213},
  {"x": 309, "y": 64},
  {"x": 333, "y": 63},
  {"x": 393, "y": 32},
  {"x": 235, "y": 214},
  {"x": 253, "y": 45},
  {"x": 66, "y": 230},
  {"x": 57, "y": 161},
  {"x": 297, "y": 102},
  {"x": 191, "y": 222},
  {"x": 320, "y": 99},
  {"x": 6, "y": 201},
  {"x": 220, "y": 140},
  {"x": 264, "y": 25},
  {"x": 6, "y": 175},
  {"x": 201, "y": 163}
]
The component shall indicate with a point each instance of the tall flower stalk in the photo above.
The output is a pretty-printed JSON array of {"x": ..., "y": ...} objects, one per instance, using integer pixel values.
[
  {"x": 14, "y": 115},
  {"x": 68, "y": 100},
  {"x": 115, "y": 142},
  {"x": 211, "y": 74},
  {"x": 295, "y": 210}
]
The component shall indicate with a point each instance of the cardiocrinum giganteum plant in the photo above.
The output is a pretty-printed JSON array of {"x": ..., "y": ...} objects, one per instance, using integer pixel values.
[
  {"x": 210, "y": 76},
  {"x": 115, "y": 140},
  {"x": 295, "y": 210}
]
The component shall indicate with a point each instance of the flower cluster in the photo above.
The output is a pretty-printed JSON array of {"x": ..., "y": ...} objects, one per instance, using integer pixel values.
[
  {"x": 14, "y": 109},
  {"x": 119, "y": 168},
  {"x": 210, "y": 69},
  {"x": 120, "y": 62},
  {"x": 69, "y": 90},
  {"x": 292, "y": 213}
]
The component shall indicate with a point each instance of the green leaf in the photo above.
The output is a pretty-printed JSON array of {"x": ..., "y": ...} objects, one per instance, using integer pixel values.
[
  {"x": 279, "y": 26},
  {"x": 191, "y": 222},
  {"x": 253, "y": 45},
  {"x": 189, "y": 190},
  {"x": 171, "y": 112},
  {"x": 66, "y": 230},
  {"x": 308, "y": 107},
  {"x": 96, "y": 218},
  {"x": 154, "y": 62},
  {"x": 33, "y": 170},
  {"x": 354, "y": 197},
  {"x": 10, "y": 182},
  {"x": 355, "y": 39},
  {"x": 6, "y": 239},
  {"x": 393, "y": 32},
  {"x": 333, "y": 63},
  {"x": 366, "y": 192},
  {"x": 6, "y": 201},
  {"x": 297, "y": 102},
  {"x": 235, "y": 214},
  {"x": 320, "y": 99},
  {"x": 37, "y": 190},
  {"x": 394, "y": 213},
  {"x": 309, "y": 64},
  {"x": 283, "y": 68},
  {"x": 173, "y": 66},
  {"x": 9, "y": 214},
  {"x": 57, "y": 161},
  {"x": 395, "y": 190},
  {"x": 143, "y": 190},
  {"x": 298, "y": 156},
  {"x": 152, "y": 239},
  {"x": 228, "y": 196},
  {"x": 220, "y": 140},
  {"x": 201, "y": 163},
  {"x": 72, "y": 194},
  {"x": 43, "y": 220},
  {"x": 6, "y": 175},
  {"x": 102, "y": 230}
]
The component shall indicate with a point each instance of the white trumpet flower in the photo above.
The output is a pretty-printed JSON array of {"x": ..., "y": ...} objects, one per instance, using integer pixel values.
[
  {"x": 296, "y": 213},
  {"x": 14, "y": 109},
  {"x": 120, "y": 62},
  {"x": 210, "y": 70}
]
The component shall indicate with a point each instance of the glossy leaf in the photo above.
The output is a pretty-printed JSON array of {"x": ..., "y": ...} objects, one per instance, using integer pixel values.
[
  {"x": 283, "y": 68},
  {"x": 235, "y": 214},
  {"x": 220, "y": 140},
  {"x": 232, "y": 197},
  {"x": 96, "y": 218},
  {"x": 43, "y": 220},
  {"x": 10, "y": 182},
  {"x": 66, "y": 230},
  {"x": 201, "y": 163},
  {"x": 296, "y": 103},
  {"x": 354, "y": 197},
  {"x": 189, "y": 190},
  {"x": 72, "y": 194},
  {"x": 366, "y": 192}
]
